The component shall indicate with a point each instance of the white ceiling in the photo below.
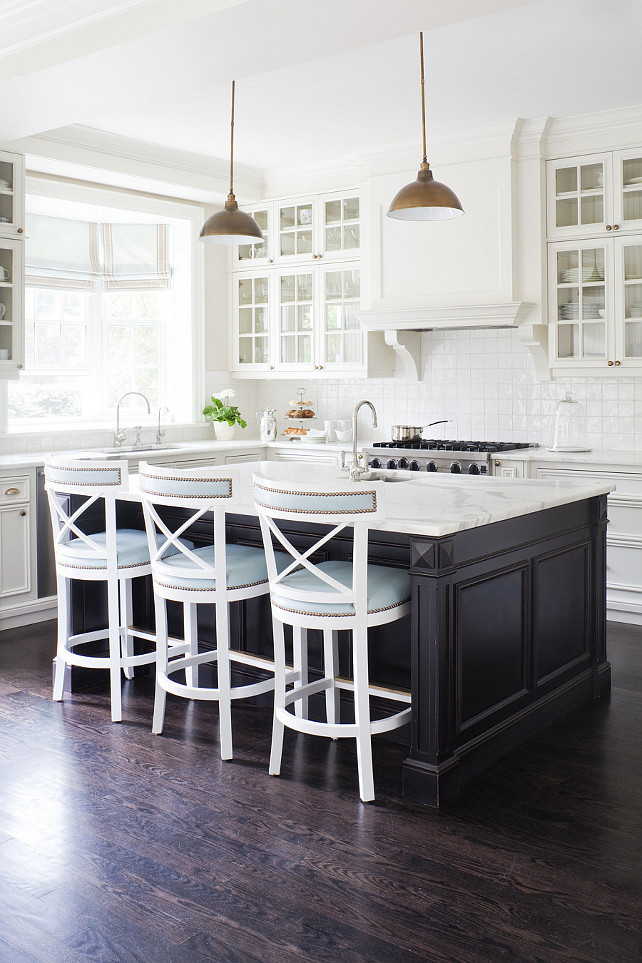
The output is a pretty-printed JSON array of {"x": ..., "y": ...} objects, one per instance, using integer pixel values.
[{"x": 316, "y": 79}]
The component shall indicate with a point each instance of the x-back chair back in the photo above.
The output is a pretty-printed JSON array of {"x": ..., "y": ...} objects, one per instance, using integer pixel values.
[
  {"x": 215, "y": 573},
  {"x": 331, "y": 595},
  {"x": 111, "y": 555}
]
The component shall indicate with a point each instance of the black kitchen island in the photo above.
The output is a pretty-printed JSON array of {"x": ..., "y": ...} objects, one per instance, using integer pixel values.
[{"x": 507, "y": 626}]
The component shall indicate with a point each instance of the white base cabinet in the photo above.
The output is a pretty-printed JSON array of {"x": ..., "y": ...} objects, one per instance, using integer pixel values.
[
  {"x": 17, "y": 538},
  {"x": 623, "y": 538}
]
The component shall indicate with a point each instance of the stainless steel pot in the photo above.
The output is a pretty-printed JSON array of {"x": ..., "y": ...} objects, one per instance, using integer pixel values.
[{"x": 412, "y": 432}]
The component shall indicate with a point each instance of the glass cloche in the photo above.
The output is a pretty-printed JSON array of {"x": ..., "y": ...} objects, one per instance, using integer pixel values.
[{"x": 570, "y": 427}]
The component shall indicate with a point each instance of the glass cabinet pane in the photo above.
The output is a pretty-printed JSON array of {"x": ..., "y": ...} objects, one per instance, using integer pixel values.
[
  {"x": 581, "y": 303},
  {"x": 251, "y": 252},
  {"x": 633, "y": 339},
  {"x": 296, "y": 318},
  {"x": 295, "y": 229},
  {"x": 342, "y": 339},
  {"x": 6, "y": 192},
  {"x": 341, "y": 224},
  {"x": 632, "y": 189},
  {"x": 252, "y": 320},
  {"x": 579, "y": 195}
]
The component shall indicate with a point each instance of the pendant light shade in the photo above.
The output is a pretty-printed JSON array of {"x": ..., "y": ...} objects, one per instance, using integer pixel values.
[
  {"x": 425, "y": 199},
  {"x": 231, "y": 226}
]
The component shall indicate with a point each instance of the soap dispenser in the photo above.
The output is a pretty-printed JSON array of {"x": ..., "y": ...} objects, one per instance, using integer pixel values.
[{"x": 570, "y": 427}]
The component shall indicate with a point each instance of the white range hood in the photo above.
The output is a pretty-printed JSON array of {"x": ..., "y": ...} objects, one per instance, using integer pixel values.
[{"x": 402, "y": 326}]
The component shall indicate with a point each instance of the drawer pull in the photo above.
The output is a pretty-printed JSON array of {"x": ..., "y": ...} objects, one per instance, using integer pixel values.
[{"x": 12, "y": 491}]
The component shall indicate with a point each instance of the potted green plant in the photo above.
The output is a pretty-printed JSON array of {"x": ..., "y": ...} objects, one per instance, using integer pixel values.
[{"x": 223, "y": 415}]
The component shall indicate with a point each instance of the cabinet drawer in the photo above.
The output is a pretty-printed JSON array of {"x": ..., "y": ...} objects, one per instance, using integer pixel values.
[
  {"x": 14, "y": 488},
  {"x": 246, "y": 456}
]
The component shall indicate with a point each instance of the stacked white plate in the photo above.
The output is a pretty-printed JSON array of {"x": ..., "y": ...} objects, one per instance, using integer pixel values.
[
  {"x": 633, "y": 180},
  {"x": 588, "y": 274}
]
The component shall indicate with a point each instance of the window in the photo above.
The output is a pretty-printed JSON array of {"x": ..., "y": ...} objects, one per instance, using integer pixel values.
[{"x": 108, "y": 309}]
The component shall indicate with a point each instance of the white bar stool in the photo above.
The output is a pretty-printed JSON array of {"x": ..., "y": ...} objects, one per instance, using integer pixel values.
[
  {"x": 112, "y": 555},
  {"x": 216, "y": 573},
  {"x": 330, "y": 595}
]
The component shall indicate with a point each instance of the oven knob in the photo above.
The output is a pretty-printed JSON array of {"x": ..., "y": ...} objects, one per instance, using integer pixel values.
[
  {"x": 402, "y": 463},
  {"x": 391, "y": 464},
  {"x": 473, "y": 469},
  {"x": 455, "y": 468},
  {"x": 414, "y": 466},
  {"x": 431, "y": 466},
  {"x": 374, "y": 463}
]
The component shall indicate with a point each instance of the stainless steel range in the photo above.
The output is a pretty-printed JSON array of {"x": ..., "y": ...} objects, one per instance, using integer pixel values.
[{"x": 432, "y": 454}]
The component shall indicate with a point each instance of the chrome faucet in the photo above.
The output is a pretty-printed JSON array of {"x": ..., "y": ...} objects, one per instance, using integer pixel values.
[
  {"x": 121, "y": 436},
  {"x": 357, "y": 467},
  {"x": 160, "y": 432}
]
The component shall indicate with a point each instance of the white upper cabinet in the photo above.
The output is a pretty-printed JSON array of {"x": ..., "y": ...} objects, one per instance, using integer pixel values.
[
  {"x": 595, "y": 277},
  {"x": 595, "y": 194},
  {"x": 12, "y": 266},
  {"x": 249, "y": 255},
  {"x": 12, "y": 192}
]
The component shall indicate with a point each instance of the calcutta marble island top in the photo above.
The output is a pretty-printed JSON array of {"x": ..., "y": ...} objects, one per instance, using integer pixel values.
[{"x": 422, "y": 504}]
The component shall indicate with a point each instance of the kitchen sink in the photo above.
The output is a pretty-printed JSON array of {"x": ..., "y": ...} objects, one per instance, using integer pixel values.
[{"x": 123, "y": 449}]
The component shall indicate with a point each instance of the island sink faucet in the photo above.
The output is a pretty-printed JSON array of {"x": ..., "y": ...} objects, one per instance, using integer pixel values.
[
  {"x": 356, "y": 468},
  {"x": 121, "y": 436}
]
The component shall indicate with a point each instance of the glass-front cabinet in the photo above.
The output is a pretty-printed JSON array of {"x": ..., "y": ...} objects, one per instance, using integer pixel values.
[
  {"x": 596, "y": 193},
  {"x": 595, "y": 273},
  {"x": 251, "y": 302},
  {"x": 296, "y": 310},
  {"x": 12, "y": 207},
  {"x": 595, "y": 303}
]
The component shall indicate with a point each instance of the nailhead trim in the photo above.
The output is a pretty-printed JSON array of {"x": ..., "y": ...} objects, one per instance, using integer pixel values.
[
  {"x": 88, "y": 484},
  {"x": 318, "y": 511},
  {"x": 385, "y": 608},
  {"x": 187, "y": 588},
  {"x": 178, "y": 494}
]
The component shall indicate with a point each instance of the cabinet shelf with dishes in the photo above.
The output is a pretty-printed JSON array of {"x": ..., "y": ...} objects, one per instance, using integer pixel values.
[
  {"x": 295, "y": 301},
  {"x": 595, "y": 275}
]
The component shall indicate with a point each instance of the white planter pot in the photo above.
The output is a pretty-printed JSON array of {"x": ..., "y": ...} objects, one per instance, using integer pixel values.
[{"x": 223, "y": 431}]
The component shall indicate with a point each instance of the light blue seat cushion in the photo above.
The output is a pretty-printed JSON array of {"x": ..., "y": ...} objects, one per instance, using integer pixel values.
[
  {"x": 131, "y": 550},
  {"x": 246, "y": 566},
  {"x": 387, "y": 588}
]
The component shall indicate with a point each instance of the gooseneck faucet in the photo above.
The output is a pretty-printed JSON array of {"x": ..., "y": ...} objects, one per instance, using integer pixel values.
[
  {"x": 121, "y": 436},
  {"x": 356, "y": 468}
]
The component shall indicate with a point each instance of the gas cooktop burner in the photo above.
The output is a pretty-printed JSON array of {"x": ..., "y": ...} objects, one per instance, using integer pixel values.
[{"x": 435, "y": 444}]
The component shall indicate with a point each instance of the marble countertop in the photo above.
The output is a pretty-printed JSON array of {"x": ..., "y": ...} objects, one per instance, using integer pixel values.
[{"x": 427, "y": 504}]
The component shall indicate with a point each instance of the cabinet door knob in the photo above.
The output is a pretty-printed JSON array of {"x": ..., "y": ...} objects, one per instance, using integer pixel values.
[
  {"x": 610, "y": 364},
  {"x": 21, "y": 230},
  {"x": 270, "y": 367},
  {"x": 319, "y": 256},
  {"x": 616, "y": 227},
  {"x": 21, "y": 366},
  {"x": 23, "y": 513},
  {"x": 617, "y": 363},
  {"x": 270, "y": 260},
  {"x": 608, "y": 227},
  {"x": 12, "y": 491}
]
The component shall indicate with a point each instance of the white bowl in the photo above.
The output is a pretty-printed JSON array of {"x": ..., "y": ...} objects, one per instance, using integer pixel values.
[{"x": 343, "y": 435}]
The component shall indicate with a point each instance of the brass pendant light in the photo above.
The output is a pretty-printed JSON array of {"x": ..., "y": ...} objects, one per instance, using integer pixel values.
[
  {"x": 231, "y": 226},
  {"x": 425, "y": 199}
]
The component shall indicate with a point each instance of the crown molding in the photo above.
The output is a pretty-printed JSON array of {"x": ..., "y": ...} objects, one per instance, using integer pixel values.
[
  {"x": 587, "y": 133},
  {"x": 122, "y": 162}
]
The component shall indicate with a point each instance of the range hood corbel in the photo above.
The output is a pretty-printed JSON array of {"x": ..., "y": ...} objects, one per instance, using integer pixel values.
[{"x": 402, "y": 328}]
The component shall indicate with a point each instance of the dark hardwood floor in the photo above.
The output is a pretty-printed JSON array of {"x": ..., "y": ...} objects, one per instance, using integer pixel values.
[{"x": 116, "y": 845}]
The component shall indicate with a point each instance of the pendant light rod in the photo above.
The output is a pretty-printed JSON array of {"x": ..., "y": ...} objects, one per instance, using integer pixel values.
[
  {"x": 423, "y": 96},
  {"x": 232, "y": 142}
]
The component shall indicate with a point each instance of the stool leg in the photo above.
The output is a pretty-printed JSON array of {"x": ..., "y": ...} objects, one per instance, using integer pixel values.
[
  {"x": 362, "y": 712},
  {"x": 331, "y": 663},
  {"x": 190, "y": 635},
  {"x": 127, "y": 641},
  {"x": 160, "y": 695},
  {"x": 114, "y": 649},
  {"x": 62, "y": 671},
  {"x": 224, "y": 680},
  {"x": 279, "y": 697},
  {"x": 300, "y": 658}
]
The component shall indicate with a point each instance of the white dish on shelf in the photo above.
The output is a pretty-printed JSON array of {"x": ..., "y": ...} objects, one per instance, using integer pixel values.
[{"x": 633, "y": 180}]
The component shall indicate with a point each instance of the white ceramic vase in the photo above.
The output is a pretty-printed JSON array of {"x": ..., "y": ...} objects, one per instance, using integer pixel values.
[{"x": 223, "y": 431}]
